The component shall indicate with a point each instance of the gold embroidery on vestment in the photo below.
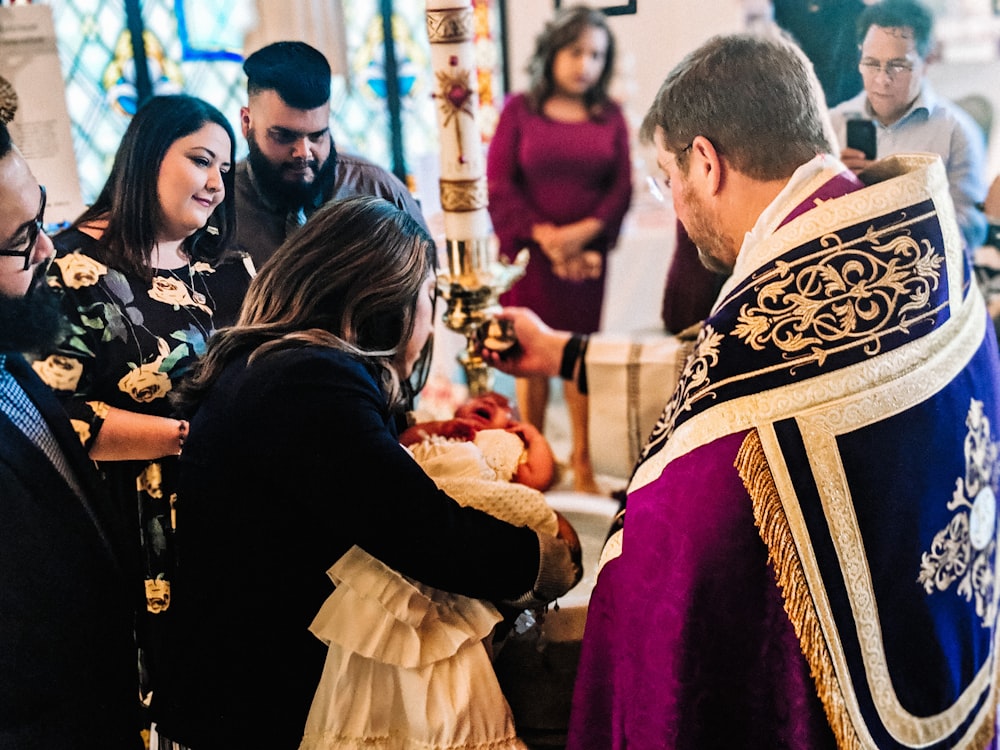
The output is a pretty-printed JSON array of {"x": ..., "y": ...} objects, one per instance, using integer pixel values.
[
  {"x": 694, "y": 384},
  {"x": 776, "y": 532},
  {"x": 844, "y": 294},
  {"x": 905, "y": 381}
]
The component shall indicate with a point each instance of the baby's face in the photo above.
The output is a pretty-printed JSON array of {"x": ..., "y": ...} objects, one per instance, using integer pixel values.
[{"x": 493, "y": 410}]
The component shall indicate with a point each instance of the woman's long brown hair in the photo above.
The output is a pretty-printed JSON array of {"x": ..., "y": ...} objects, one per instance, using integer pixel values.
[{"x": 349, "y": 280}]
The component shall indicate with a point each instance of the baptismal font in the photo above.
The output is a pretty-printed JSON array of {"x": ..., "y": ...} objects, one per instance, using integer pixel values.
[{"x": 475, "y": 279}]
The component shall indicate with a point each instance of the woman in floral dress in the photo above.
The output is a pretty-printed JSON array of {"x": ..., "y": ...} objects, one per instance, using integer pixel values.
[{"x": 145, "y": 280}]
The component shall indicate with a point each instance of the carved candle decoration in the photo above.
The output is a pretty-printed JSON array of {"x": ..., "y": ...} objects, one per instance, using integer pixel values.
[{"x": 450, "y": 29}]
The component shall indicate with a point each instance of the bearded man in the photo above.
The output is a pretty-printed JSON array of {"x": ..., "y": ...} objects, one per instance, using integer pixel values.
[
  {"x": 293, "y": 166},
  {"x": 69, "y": 580}
]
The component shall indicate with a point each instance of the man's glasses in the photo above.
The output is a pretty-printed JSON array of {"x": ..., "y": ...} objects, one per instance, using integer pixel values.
[
  {"x": 654, "y": 183},
  {"x": 892, "y": 69},
  {"x": 24, "y": 241}
]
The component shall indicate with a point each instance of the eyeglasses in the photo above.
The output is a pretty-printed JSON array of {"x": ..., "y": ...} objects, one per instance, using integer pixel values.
[
  {"x": 23, "y": 244},
  {"x": 653, "y": 183},
  {"x": 654, "y": 188},
  {"x": 892, "y": 69}
]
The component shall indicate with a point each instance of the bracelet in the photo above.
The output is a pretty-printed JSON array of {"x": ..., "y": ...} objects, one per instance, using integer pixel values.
[
  {"x": 182, "y": 433},
  {"x": 570, "y": 356},
  {"x": 572, "y": 361}
]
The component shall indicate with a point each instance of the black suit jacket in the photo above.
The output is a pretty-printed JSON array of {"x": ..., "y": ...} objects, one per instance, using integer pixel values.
[{"x": 69, "y": 589}]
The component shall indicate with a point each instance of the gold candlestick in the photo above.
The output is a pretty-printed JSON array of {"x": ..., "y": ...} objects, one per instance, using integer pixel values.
[{"x": 472, "y": 287}]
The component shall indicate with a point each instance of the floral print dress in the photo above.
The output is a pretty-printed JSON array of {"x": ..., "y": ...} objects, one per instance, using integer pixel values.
[{"x": 127, "y": 344}]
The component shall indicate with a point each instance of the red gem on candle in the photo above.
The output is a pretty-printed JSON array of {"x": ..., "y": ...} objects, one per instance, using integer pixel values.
[
  {"x": 458, "y": 95},
  {"x": 453, "y": 60}
]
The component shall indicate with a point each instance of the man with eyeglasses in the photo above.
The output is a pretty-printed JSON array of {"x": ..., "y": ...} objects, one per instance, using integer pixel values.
[
  {"x": 895, "y": 38},
  {"x": 293, "y": 166},
  {"x": 69, "y": 588}
]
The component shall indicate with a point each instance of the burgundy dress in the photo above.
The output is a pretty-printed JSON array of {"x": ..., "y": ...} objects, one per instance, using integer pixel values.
[{"x": 541, "y": 170}]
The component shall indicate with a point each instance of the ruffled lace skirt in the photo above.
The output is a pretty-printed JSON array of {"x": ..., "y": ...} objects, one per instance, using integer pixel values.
[{"x": 406, "y": 668}]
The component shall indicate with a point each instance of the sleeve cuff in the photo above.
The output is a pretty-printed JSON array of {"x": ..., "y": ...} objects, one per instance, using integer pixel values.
[{"x": 557, "y": 574}]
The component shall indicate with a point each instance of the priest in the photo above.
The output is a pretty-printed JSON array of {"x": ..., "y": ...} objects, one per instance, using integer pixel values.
[{"x": 809, "y": 546}]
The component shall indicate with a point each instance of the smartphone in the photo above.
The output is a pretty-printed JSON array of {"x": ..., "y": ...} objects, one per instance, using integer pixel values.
[{"x": 861, "y": 135}]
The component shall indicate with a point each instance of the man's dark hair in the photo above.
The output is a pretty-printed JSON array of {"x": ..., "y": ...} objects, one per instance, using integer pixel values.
[
  {"x": 298, "y": 73},
  {"x": 5, "y": 142},
  {"x": 898, "y": 14}
]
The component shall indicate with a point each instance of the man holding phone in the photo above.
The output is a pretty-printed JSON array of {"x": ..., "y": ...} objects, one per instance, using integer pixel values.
[{"x": 900, "y": 112}]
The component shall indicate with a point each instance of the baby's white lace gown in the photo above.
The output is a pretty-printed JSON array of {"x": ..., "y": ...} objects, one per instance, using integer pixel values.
[{"x": 408, "y": 666}]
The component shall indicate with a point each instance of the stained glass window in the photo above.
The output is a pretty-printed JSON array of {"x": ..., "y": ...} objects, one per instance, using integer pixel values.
[
  {"x": 89, "y": 32},
  {"x": 193, "y": 46},
  {"x": 95, "y": 51}
]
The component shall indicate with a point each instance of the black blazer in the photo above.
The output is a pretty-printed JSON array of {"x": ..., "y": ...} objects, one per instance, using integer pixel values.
[
  {"x": 69, "y": 591},
  {"x": 290, "y": 462}
]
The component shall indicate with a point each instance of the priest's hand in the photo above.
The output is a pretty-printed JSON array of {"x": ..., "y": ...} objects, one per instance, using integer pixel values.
[{"x": 538, "y": 350}]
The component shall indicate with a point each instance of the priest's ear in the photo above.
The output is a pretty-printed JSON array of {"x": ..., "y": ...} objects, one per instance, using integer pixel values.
[{"x": 705, "y": 163}]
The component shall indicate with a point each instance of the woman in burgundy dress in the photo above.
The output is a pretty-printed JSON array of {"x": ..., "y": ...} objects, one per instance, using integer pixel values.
[{"x": 559, "y": 184}]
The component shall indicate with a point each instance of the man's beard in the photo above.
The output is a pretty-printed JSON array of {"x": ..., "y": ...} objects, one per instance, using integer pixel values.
[
  {"x": 279, "y": 191},
  {"x": 714, "y": 248},
  {"x": 31, "y": 323}
]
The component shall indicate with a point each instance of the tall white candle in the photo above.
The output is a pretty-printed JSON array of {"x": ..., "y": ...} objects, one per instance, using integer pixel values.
[{"x": 451, "y": 30}]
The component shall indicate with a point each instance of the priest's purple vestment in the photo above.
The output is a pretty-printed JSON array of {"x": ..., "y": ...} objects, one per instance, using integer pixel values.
[{"x": 809, "y": 549}]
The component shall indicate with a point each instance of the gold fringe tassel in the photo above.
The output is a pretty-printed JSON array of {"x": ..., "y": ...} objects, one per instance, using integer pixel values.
[
  {"x": 769, "y": 515},
  {"x": 751, "y": 463}
]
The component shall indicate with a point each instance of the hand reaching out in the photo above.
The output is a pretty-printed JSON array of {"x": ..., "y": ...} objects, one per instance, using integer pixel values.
[
  {"x": 539, "y": 348},
  {"x": 854, "y": 159}
]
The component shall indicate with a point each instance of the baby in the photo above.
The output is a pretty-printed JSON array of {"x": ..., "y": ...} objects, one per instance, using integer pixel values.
[
  {"x": 536, "y": 465},
  {"x": 409, "y": 662}
]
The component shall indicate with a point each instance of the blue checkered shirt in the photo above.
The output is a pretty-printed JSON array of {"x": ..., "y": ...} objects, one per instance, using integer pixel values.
[{"x": 16, "y": 405}]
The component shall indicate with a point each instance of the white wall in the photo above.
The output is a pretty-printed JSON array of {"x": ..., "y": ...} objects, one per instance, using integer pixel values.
[{"x": 650, "y": 42}]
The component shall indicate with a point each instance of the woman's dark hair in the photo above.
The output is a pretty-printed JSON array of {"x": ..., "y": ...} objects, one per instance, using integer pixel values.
[
  {"x": 348, "y": 280},
  {"x": 129, "y": 201},
  {"x": 564, "y": 29}
]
